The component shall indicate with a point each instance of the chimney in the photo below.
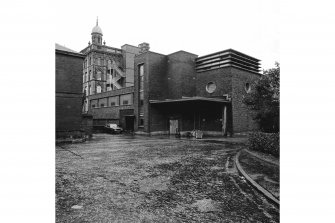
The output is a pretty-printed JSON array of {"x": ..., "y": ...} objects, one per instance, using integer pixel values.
[{"x": 144, "y": 47}]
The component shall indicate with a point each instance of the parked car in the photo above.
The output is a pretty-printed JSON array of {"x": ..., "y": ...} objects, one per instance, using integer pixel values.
[{"x": 113, "y": 128}]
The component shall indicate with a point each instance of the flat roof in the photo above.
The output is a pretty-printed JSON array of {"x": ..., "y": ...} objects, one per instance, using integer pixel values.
[{"x": 220, "y": 100}]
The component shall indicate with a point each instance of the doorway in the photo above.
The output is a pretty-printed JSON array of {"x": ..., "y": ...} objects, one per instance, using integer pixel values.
[{"x": 129, "y": 123}]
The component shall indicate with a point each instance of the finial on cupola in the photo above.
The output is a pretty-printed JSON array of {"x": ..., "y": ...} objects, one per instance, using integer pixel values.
[{"x": 97, "y": 20}]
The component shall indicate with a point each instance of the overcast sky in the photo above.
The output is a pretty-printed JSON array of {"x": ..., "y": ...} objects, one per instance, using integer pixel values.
[{"x": 199, "y": 27}]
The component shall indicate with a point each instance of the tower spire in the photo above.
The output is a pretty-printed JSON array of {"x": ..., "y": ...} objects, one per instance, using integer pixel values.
[{"x": 97, "y": 20}]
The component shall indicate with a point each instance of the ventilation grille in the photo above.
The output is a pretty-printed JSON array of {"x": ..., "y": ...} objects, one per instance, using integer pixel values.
[{"x": 227, "y": 58}]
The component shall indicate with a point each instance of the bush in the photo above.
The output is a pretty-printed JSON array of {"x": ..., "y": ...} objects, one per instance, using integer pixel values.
[{"x": 264, "y": 142}]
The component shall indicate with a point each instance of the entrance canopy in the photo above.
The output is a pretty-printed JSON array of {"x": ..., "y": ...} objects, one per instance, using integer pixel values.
[{"x": 194, "y": 99}]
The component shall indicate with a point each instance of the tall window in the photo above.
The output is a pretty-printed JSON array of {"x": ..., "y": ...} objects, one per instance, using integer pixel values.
[
  {"x": 90, "y": 61},
  {"x": 99, "y": 75},
  {"x": 141, "y": 86},
  {"x": 141, "y": 74},
  {"x": 90, "y": 76},
  {"x": 141, "y": 99},
  {"x": 98, "y": 89}
]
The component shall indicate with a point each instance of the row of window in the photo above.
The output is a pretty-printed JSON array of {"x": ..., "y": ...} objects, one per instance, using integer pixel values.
[
  {"x": 98, "y": 61},
  {"x": 125, "y": 99},
  {"x": 99, "y": 76}
]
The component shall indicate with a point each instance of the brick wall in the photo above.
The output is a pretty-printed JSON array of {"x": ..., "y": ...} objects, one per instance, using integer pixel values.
[
  {"x": 181, "y": 75},
  {"x": 155, "y": 84},
  {"x": 68, "y": 73},
  {"x": 241, "y": 115},
  {"x": 221, "y": 77},
  {"x": 68, "y": 93}
]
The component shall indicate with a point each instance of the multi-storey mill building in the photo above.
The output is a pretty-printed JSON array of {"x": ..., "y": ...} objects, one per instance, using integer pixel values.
[{"x": 106, "y": 68}]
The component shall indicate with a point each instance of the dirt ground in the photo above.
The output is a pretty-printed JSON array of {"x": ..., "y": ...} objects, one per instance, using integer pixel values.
[
  {"x": 117, "y": 178},
  {"x": 264, "y": 173}
]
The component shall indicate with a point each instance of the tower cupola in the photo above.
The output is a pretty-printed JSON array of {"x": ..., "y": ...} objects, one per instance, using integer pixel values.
[{"x": 96, "y": 34}]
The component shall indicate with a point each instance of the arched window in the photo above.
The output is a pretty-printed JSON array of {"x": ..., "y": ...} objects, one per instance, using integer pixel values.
[
  {"x": 98, "y": 89},
  {"x": 90, "y": 61},
  {"x": 90, "y": 76}
]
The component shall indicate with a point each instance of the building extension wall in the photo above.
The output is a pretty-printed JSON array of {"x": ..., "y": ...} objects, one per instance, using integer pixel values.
[
  {"x": 69, "y": 94},
  {"x": 242, "y": 116},
  {"x": 129, "y": 52},
  {"x": 155, "y": 86},
  {"x": 181, "y": 76},
  {"x": 111, "y": 109}
]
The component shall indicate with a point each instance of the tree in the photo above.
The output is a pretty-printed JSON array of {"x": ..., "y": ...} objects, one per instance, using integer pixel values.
[{"x": 264, "y": 99}]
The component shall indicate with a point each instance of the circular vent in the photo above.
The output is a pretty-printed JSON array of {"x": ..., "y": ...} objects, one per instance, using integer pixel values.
[{"x": 210, "y": 87}]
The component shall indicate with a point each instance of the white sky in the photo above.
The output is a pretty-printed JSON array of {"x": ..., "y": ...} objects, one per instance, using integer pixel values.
[{"x": 199, "y": 27}]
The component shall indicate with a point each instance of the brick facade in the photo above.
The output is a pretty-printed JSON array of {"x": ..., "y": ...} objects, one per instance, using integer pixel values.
[
  {"x": 177, "y": 76},
  {"x": 68, "y": 93}
]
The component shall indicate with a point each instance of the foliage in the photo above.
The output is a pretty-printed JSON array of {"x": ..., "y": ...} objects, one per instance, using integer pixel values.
[
  {"x": 264, "y": 142},
  {"x": 264, "y": 99}
]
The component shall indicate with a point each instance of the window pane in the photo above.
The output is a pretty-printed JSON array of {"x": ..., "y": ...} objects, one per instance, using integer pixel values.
[{"x": 141, "y": 69}]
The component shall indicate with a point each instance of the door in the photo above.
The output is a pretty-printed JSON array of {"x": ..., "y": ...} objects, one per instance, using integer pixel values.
[
  {"x": 130, "y": 123},
  {"x": 173, "y": 126}
]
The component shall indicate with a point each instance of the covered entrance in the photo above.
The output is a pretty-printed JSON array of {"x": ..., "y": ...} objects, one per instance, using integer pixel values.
[{"x": 212, "y": 116}]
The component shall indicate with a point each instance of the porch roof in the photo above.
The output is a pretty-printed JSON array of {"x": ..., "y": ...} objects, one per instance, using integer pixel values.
[{"x": 219, "y": 100}]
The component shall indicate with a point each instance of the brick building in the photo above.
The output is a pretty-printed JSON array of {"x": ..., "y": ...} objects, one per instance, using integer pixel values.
[
  {"x": 152, "y": 93},
  {"x": 69, "y": 65},
  {"x": 183, "y": 92}
]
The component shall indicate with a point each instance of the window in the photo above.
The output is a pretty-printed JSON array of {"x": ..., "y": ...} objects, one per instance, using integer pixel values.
[
  {"x": 210, "y": 87},
  {"x": 126, "y": 99},
  {"x": 99, "y": 75},
  {"x": 141, "y": 69},
  {"x": 141, "y": 76},
  {"x": 90, "y": 76},
  {"x": 98, "y": 89},
  {"x": 98, "y": 61},
  {"x": 93, "y": 106},
  {"x": 102, "y": 105},
  {"x": 90, "y": 61},
  {"x": 141, "y": 98},
  {"x": 247, "y": 88},
  {"x": 89, "y": 90},
  {"x": 141, "y": 83},
  {"x": 114, "y": 101}
]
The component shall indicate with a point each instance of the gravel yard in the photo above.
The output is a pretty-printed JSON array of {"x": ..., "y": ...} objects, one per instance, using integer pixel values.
[{"x": 118, "y": 178}]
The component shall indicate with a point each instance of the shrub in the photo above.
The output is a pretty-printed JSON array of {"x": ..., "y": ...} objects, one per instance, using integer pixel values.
[{"x": 264, "y": 142}]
